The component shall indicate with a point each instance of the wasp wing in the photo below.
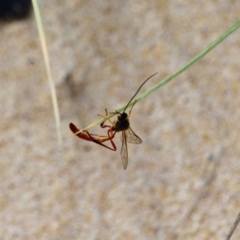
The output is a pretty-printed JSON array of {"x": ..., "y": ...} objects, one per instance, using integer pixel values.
[
  {"x": 132, "y": 137},
  {"x": 124, "y": 151}
]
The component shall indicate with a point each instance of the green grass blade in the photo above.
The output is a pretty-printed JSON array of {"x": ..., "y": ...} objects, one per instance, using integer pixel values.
[{"x": 174, "y": 75}]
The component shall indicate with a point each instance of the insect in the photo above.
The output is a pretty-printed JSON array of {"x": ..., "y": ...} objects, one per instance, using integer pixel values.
[{"x": 122, "y": 124}]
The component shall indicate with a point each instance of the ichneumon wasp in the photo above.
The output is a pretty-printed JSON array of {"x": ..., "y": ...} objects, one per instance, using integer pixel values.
[{"x": 121, "y": 124}]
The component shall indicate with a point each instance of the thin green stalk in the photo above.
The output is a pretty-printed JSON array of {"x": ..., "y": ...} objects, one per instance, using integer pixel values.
[
  {"x": 174, "y": 75},
  {"x": 47, "y": 64}
]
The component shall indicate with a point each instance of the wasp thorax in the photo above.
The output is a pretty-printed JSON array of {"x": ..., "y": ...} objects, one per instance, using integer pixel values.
[{"x": 122, "y": 122}]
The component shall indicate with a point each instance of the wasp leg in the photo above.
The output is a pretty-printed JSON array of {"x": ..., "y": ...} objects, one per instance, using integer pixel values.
[
  {"x": 100, "y": 139},
  {"x": 103, "y": 125}
]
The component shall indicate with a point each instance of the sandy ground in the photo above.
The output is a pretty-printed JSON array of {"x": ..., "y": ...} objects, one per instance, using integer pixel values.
[{"x": 182, "y": 182}]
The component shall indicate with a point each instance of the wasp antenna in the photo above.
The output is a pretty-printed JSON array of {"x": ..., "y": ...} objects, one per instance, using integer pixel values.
[{"x": 138, "y": 91}]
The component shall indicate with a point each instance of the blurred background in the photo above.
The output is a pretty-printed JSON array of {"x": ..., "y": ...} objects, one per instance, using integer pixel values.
[{"x": 182, "y": 182}]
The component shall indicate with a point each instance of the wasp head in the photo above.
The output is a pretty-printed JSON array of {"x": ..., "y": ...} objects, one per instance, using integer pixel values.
[{"x": 123, "y": 116}]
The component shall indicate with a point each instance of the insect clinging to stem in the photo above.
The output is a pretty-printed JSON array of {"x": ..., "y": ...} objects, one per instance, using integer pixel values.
[{"x": 121, "y": 124}]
